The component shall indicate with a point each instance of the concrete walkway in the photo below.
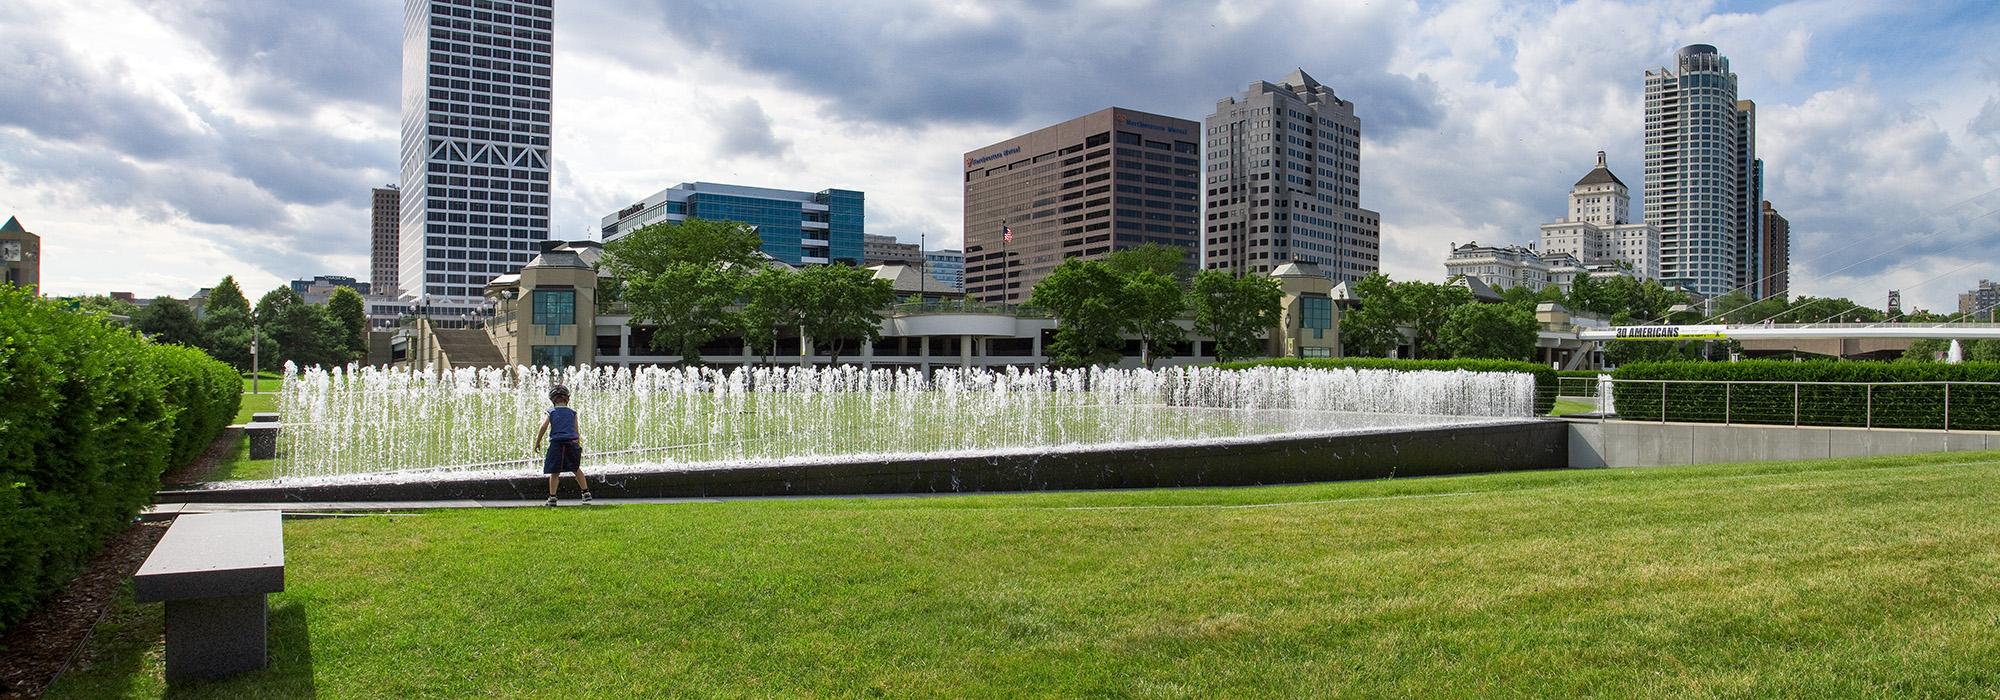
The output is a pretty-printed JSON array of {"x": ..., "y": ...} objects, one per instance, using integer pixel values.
[{"x": 163, "y": 511}]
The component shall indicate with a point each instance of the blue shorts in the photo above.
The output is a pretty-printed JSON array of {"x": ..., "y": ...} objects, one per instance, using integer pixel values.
[{"x": 563, "y": 456}]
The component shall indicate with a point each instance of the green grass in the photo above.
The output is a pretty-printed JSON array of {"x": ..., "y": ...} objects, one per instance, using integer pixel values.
[
  {"x": 1855, "y": 577},
  {"x": 1565, "y": 407},
  {"x": 256, "y": 403},
  {"x": 238, "y": 466}
]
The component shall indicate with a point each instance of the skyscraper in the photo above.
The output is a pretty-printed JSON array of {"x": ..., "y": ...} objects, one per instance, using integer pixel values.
[
  {"x": 1703, "y": 180},
  {"x": 1108, "y": 180},
  {"x": 385, "y": 210},
  {"x": 475, "y": 185},
  {"x": 1598, "y": 226},
  {"x": 1777, "y": 252},
  {"x": 1283, "y": 177}
]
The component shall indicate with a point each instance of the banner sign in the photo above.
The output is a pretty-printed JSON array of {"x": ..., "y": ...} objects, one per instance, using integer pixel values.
[{"x": 1671, "y": 332}]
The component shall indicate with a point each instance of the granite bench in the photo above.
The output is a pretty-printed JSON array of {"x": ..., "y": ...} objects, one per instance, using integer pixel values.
[
  {"x": 263, "y": 432},
  {"x": 214, "y": 571}
]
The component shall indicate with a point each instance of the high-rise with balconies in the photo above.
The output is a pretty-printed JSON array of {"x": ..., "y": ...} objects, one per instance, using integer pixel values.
[
  {"x": 1704, "y": 182},
  {"x": 475, "y": 156}
]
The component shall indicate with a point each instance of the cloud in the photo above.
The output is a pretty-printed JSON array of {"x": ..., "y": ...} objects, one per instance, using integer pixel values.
[
  {"x": 293, "y": 54},
  {"x": 745, "y": 130}
]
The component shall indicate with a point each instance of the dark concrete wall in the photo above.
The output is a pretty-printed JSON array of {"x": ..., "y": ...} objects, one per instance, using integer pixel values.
[{"x": 1459, "y": 450}]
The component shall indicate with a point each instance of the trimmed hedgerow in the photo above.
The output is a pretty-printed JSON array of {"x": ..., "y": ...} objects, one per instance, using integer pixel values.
[
  {"x": 1545, "y": 378},
  {"x": 1972, "y": 406},
  {"x": 90, "y": 416}
]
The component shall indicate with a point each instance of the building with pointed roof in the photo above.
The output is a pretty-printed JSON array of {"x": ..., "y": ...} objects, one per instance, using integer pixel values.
[
  {"x": 1282, "y": 176},
  {"x": 1597, "y": 228},
  {"x": 20, "y": 256}
]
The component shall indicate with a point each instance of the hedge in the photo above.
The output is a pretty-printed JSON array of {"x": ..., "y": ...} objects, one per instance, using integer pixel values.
[
  {"x": 1973, "y": 407},
  {"x": 1545, "y": 378},
  {"x": 90, "y": 416}
]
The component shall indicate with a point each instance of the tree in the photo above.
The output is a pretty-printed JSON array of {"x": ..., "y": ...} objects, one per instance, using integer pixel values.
[
  {"x": 1588, "y": 295},
  {"x": 1152, "y": 302},
  {"x": 843, "y": 303},
  {"x": 169, "y": 321},
  {"x": 685, "y": 279},
  {"x": 1234, "y": 311},
  {"x": 1167, "y": 260},
  {"x": 273, "y": 305},
  {"x": 226, "y": 336},
  {"x": 1372, "y": 329},
  {"x": 1085, "y": 296},
  {"x": 771, "y": 301},
  {"x": 1427, "y": 305},
  {"x": 226, "y": 295},
  {"x": 1489, "y": 331},
  {"x": 351, "y": 318}
]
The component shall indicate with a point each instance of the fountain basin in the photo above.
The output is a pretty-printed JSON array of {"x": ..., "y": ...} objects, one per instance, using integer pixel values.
[{"x": 1461, "y": 448}]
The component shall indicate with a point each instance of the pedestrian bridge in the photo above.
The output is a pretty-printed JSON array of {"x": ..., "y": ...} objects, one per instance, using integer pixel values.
[{"x": 1797, "y": 331}]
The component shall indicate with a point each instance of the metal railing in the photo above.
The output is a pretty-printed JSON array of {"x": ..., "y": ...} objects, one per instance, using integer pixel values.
[{"x": 1942, "y": 405}]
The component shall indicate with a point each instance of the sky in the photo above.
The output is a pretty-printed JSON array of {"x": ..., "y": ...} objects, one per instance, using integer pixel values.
[{"x": 157, "y": 145}]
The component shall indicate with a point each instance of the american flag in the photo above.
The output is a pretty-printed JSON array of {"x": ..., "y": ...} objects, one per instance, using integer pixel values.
[{"x": 1006, "y": 234}]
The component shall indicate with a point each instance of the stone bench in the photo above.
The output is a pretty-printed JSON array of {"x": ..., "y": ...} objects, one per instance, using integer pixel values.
[
  {"x": 214, "y": 571},
  {"x": 263, "y": 432}
]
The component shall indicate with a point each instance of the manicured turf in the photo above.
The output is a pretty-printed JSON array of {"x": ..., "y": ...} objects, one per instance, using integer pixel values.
[
  {"x": 1858, "y": 577},
  {"x": 1565, "y": 407},
  {"x": 257, "y": 403}
]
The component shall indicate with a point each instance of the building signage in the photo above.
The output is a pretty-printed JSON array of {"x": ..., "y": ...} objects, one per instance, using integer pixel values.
[
  {"x": 1670, "y": 332},
  {"x": 1128, "y": 121},
  {"x": 971, "y": 161}
]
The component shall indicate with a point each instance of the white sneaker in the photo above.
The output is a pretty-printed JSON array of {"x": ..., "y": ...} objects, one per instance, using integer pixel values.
[
  {"x": 586, "y": 498},
  {"x": 552, "y": 502}
]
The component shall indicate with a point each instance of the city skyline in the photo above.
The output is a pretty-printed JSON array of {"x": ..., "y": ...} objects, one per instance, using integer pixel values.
[{"x": 212, "y": 141}]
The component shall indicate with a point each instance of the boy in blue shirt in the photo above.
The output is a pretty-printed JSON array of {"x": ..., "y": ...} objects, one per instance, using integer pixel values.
[{"x": 565, "y": 444}]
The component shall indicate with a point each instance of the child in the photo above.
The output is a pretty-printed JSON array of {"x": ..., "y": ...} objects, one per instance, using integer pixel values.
[{"x": 565, "y": 444}]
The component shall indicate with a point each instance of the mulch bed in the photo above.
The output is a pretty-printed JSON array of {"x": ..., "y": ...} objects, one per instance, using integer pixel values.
[
  {"x": 41, "y": 646},
  {"x": 205, "y": 465}
]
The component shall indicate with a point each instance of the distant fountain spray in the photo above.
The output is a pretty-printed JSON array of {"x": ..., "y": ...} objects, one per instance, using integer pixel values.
[{"x": 358, "y": 421}]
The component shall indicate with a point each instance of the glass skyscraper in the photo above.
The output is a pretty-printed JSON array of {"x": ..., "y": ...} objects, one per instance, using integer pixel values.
[
  {"x": 799, "y": 228},
  {"x": 475, "y": 156},
  {"x": 1703, "y": 180}
]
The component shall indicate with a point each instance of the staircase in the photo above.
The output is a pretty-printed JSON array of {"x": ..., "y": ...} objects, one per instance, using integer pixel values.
[{"x": 467, "y": 348}]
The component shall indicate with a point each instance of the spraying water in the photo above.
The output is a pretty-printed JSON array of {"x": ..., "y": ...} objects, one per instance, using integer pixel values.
[{"x": 367, "y": 420}]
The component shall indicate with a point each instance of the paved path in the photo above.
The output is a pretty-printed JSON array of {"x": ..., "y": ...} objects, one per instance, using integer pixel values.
[{"x": 163, "y": 511}]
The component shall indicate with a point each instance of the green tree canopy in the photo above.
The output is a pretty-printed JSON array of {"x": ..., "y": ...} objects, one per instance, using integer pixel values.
[
  {"x": 351, "y": 317},
  {"x": 1371, "y": 330},
  {"x": 1169, "y": 261},
  {"x": 1589, "y": 295},
  {"x": 274, "y": 303},
  {"x": 1489, "y": 331},
  {"x": 226, "y": 336},
  {"x": 843, "y": 303},
  {"x": 1427, "y": 305},
  {"x": 169, "y": 321},
  {"x": 1235, "y": 311},
  {"x": 1086, "y": 297},
  {"x": 226, "y": 295},
  {"x": 1153, "y": 301},
  {"x": 685, "y": 279},
  {"x": 772, "y": 301}
]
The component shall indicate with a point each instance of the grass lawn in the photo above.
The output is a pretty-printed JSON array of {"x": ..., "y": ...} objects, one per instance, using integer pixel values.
[
  {"x": 257, "y": 403},
  {"x": 1856, "y": 577},
  {"x": 1565, "y": 407}
]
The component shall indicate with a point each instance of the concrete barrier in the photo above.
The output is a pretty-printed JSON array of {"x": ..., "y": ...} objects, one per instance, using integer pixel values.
[
  {"x": 1648, "y": 444},
  {"x": 1529, "y": 444}
]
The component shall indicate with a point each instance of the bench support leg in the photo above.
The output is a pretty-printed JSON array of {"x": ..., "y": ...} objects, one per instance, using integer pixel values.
[{"x": 208, "y": 637}]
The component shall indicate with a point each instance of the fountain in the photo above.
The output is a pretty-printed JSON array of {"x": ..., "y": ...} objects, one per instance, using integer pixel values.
[{"x": 367, "y": 426}]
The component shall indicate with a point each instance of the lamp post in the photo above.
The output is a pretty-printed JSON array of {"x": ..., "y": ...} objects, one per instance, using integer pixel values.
[{"x": 255, "y": 375}]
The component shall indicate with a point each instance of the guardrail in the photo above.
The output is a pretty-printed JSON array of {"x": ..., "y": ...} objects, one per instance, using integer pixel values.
[{"x": 1922, "y": 405}]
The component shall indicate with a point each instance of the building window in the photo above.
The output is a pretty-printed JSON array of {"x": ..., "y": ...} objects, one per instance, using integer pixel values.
[
  {"x": 554, "y": 307},
  {"x": 552, "y": 355},
  {"x": 1316, "y": 313}
]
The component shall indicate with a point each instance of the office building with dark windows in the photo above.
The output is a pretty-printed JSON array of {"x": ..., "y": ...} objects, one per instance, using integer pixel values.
[
  {"x": 1112, "y": 179},
  {"x": 475, "y": 143},
  {"x": 384, "y": 215},
  {"x": 799, "y": 228},
  {"x": 1282, "y": 172}
]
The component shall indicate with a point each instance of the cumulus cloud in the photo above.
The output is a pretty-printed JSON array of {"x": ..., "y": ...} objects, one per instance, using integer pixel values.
[{"x": 234, "y": 134}]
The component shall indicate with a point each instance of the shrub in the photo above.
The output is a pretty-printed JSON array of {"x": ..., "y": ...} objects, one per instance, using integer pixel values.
[
  {"x": 1545, "y": 378},
  {"x": 1816, "y": 400},
  {"x": 90, "y": 416}
]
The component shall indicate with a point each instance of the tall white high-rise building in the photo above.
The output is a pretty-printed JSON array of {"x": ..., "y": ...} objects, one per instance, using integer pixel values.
[
  {"x": 1703, "y": 180},
  {"x": 475, "y": 185},
  {"x": 1282, "y": 177}
]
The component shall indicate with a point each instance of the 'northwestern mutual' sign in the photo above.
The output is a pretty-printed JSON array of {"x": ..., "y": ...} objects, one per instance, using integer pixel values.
[
  {"x": 971, "y": 161},
  {"x": 1670, "y": 332}
]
